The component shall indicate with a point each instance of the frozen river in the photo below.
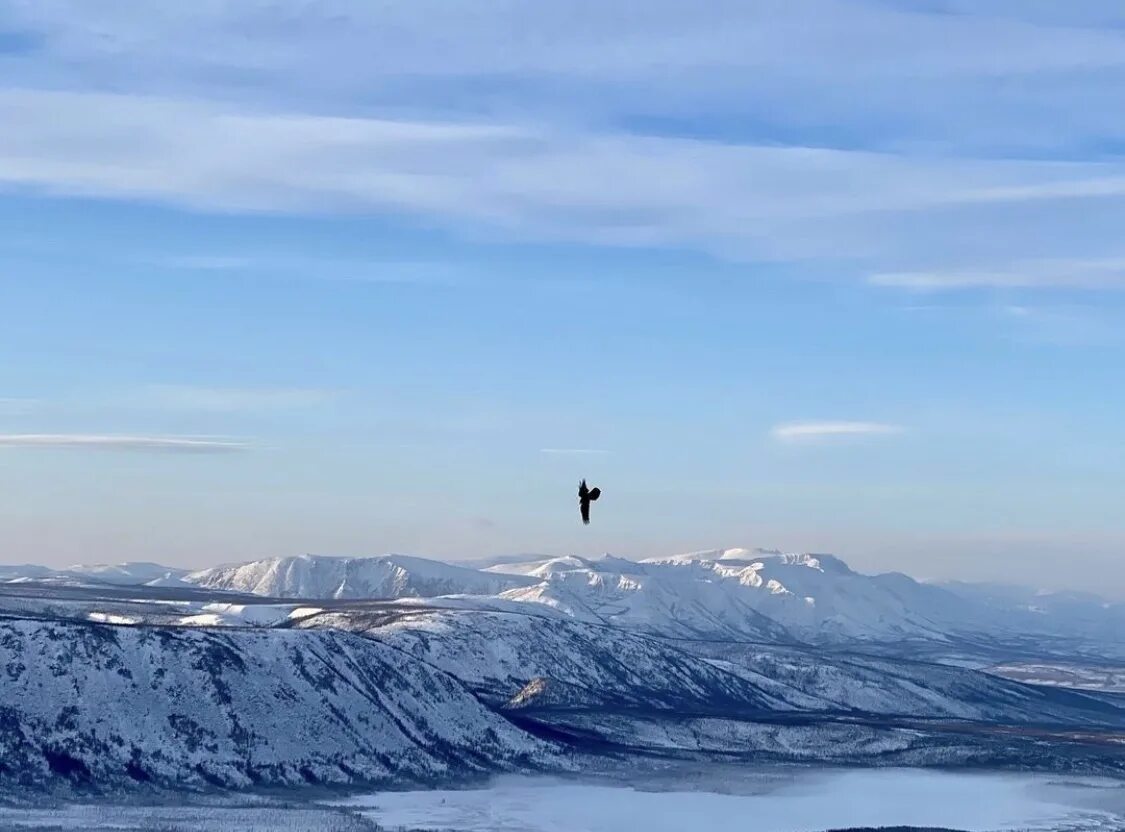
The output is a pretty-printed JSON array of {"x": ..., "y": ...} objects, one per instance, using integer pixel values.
[
  {"x": 714, "y": 797},
  {"x": 808, "y": 800}
]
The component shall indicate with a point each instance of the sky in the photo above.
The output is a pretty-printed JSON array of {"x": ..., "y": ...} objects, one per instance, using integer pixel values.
[{"x": 356, "y": 277}]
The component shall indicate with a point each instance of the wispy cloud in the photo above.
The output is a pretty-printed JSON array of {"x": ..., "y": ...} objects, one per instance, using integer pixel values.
[
  {"x": 812, "y": 431},
  {"x": 87, "y": 441},
  {"x": 736, "y": 199},
  {"x": 796, "y": 62},
  {"x": 946, "y": 99},
  {"x": 334, "y": 269},
  {"x": 1105, "y": 273},
  {"x": 572, "y": 451},
  {"x": 233, "y": 400}
]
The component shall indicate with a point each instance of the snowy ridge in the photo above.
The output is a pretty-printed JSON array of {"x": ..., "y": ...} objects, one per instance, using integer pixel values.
[
  {"x": 817, "y": 599},
  {"x": 661, "y": 601},
  {"x": 734, "y": 593},
  {"x": 387, "y": 577},
  {"x": 498, "y": 655},
  {"x": 601, "y": 685}
]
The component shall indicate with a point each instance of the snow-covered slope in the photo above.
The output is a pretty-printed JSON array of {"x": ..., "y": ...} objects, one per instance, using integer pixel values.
[
  {"x": 496, "y": 654},
  {"x": 818, "y": 598},
  {"x": 85, "y": 703},
  {"x": 737, "y": 593},
  {"x": 663, "y": 601},
  {"x": 387, "y": 577},
  {"x": 575, "y": 664},
  {"x": 600, "y": 688}
]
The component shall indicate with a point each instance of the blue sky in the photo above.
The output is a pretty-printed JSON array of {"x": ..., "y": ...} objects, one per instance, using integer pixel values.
[{"x": 363, "y": 277}]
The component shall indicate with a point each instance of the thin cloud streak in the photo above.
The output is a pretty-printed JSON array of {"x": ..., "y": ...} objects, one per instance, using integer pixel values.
[
  {"x": 84, "y": 441},
  {"x": 235, "y": 400},
  {"x": 432, "y": 273},
  {"x": 572, "y": 451},
  {"x": 1104, "y": 273},
  {"x": 812, "y": 431}
]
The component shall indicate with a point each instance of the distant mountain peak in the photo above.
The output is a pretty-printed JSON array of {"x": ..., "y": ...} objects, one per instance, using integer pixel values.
[{"x": 379, "y": 577}]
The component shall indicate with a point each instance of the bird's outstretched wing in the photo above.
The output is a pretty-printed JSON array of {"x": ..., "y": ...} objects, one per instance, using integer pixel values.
[
  {"x": 595, "y": 493},
  {"x": 585, "y": 507}
]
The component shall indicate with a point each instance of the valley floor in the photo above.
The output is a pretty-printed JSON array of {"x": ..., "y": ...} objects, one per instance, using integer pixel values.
[{"x": 780, "y": 799}]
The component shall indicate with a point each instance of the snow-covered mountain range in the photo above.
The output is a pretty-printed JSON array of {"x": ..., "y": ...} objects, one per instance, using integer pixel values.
[
  {"x": 729, "y": 594},
  {"x": 811, "y": 598},
  {"x": 364, "y": 670}
]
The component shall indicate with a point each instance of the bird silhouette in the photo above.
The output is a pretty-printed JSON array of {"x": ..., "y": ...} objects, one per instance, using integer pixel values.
[{"x": 585, "y": 497}]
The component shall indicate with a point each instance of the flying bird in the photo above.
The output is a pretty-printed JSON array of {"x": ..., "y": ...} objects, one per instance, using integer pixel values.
[{"x": 585, "y": 497}]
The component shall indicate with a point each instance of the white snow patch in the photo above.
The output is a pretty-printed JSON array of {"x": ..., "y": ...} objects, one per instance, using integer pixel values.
[{"x": 111, "y": 618}]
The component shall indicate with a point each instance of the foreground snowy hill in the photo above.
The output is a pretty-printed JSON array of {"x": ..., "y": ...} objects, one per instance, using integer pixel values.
[
  {"x": 382, "y": 692},
  {"x": 86, "y": 704},
  {"x": 605, "y": 689},
  {"x": 497, "y": 654},
  {"x": 508, "y": 658},
  {"x": 101, "y": 706}
]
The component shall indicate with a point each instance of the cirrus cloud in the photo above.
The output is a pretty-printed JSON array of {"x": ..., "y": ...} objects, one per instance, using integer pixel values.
[
  {"x": 813, "y": 431},
  {"x": 1075, "y": 273},
  {"x": 745, "y": 200},
  {"x": 572, "y": 451},
  {"x": 110, "y": 442}
]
